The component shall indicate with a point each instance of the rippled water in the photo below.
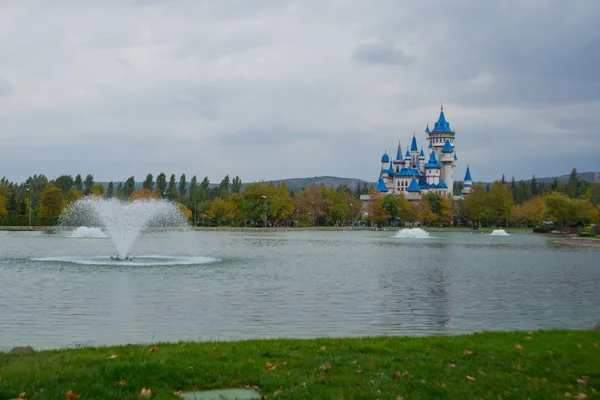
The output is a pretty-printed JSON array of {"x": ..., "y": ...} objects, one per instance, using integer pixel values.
[{"x": 59, "y": 291}]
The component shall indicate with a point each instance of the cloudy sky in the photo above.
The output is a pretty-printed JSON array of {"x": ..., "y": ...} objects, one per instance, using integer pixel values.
[{"x": 270, "y": 89}]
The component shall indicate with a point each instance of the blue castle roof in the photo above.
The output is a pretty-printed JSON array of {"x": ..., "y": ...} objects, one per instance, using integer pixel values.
[
  {"x": 413, "y": 146},
  {"x": 442, "y": 185},
  {"x": 422, "y": 155},
  {"x": 468, "y": 175},
  {"x": 429, "y": 144},
  {"x": 447, "y": 147},
  {"x": 414, "y": 186},
  {"x": 399, "y": 152},
  {"x": 391, "y": 169},
  {"x": 385, "y": 158},
  {"x": 433, "y": 162},
  {"x": 408, "y": 172},
  {"x": 427, "y": 129},
  {"x": 442, "y": 125},
  {"x": 455, "y": 158},
  {"x": 381, "y": 186},
  {"x": 407, "y": 155}
]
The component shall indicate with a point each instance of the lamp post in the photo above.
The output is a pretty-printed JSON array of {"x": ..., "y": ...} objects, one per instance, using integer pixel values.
[
  {"x": 29, "y": 190},
  {"x": 266, "y": 209},
  {"x": 203, "y": 215},
  {"x": 352, "y": 210},
  {"x": 195, "y": 213},
  {"x": 313, "y": 205}
]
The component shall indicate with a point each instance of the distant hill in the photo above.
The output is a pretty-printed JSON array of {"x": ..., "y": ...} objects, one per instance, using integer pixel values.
[
  {"x": 297, "y": 184},
  {"x": 590, "y": 177}
]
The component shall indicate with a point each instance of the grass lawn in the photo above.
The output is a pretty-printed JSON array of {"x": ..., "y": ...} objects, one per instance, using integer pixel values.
[{"x": 511, "y": 365}]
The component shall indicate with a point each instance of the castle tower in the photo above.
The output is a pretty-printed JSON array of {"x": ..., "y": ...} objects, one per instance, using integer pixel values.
[
  {"x": 467, "y": 182},
  {"x": 448, "y": 165},
  {"x": 432, "y": 170},
  {"x": 414, "y": 150},
  {"x": 385, "y": 160},
  {"x": 407, "y": 159}
]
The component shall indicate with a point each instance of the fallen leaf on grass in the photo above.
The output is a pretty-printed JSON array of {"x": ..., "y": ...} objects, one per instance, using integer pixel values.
[
  {"x": 579, "y": 345},
  {"x": 518, "y": 346},
  {"x": 303, "y": 384},
  {"x": 325, "y": 367},
  {"x": 250, "y": 361},
  {"x": 528, "y": 338},
  {"x": 372, "y": 363},
  {"x": 396, "y": 375},
  {"x": 354, "y": 362},
  {"x": 284, "y": 363},
  {"x": 399, "y": 398},
  {"x": 480, "y": 372},
  {"x": 550, "y": 352},
  {"x": 581, "y": 396},
  {"x": 112, "y": 357},
  {"x": 470, "y": 378},
  {"x": 452, "y": 366},
  {"x": 22, "y": 395},
  {"x": 595, "y": 344},
  {"x": 405, "y": 374},
  {"x": 468, "y": 352},
  {"x": 581, "y": 381},
  {"x": 270, "y": 367},
  {"x": 567, "y": 394},
  {"x": 152, "y": 349},
  {"x": 178, "y": 393},
  {"x": 123, "y": 382},
  {"x": 145, "y": 393},
  {"x": 277, "y": 392},
  {"x": 323, "y": 348},
  {"x": 72, "y": 395},
  {"x": 321, "y": 377},
  {"x": 359, "y": 371}
]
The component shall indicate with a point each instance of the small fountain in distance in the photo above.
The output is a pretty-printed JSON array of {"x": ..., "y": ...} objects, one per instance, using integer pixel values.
[
  {"x": 413, "y": 233},
  {"x": 123, "y": 221},
  {"x": 499, "y": 232}
]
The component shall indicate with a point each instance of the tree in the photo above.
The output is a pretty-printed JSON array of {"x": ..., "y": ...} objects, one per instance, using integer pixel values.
[
  {"x": 51, "y": 204},
  {"x": 475, "y": 204},
  {"x": 171, "y": 189},
  {"x": 424, "y": 212},
  {"x": 193, "y": 189},
  {"x": 148, "y": 182},
  {"x": 64, "y": 183},
  {"x": 406, "y": 212},
  {"x": 73, "y": 196},
  {"x": 529, "y": 213},
  {"x": 500, "y": 203},
  {"x": 534, "y": 186},
  {"x": 161, "y": 183},
  {"x": 224, "y": 187},
  {"x": 446, "y": 214},
  {"x": 12, "y": 206},
  {"x": 78, "y": 182},
  {"x": 182, "y": 186},
  {"x": 236, "y": 185},
  {"x": 573, "y": 184},
  {"x": 119, "y": 192},
  {"x": 375, "y": 208},
  {"x": 110, "y": 191},
  {"x": 129, "y": 187},
  {"x": 557, "y": 207},
  {"x": 88, "y": 183},
  {"x": 144, "y": 193},
  {"x": 97, "y": 190}
]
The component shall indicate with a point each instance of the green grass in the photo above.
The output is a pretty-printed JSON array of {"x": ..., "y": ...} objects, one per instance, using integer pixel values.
[{"x": 512, "y": 365}]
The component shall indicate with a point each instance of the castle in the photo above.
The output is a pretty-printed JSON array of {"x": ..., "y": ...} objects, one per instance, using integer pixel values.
[{"x": 412, "y": 175}]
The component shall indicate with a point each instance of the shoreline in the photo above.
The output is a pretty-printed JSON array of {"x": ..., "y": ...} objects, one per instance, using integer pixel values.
[
  {"x": 516, "y": 364},
  {"x": 284, "y": 229}
]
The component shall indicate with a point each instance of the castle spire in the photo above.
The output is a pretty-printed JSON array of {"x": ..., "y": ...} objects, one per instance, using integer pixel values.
[
  {"x": 413, "y": 146},
  {"x": 399, "y": 152}
]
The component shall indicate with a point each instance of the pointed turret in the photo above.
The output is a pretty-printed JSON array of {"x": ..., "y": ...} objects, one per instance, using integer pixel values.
[
  {"x": 433, "y": 162},
  {"x": 467, "y": 182},
  {"x": 442, "y": 125},
  {"x": 381, "y": 186},
  {"x": 429, "y": 145},
  {"x": 447, "y": 147},
  {"x": 385, "y": 158},
  {"x": 427, "y": 129},
  {"x": 407, "y": 155},
  {"x": 413, "y": 186},
  {"x": 413, "y": 146},
  {"x": 422, "y": 154},
  {"x": 399, "y": 152}
]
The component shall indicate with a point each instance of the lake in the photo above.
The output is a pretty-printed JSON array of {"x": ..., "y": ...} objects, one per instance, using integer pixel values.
[{"x": 62, "y": 290}]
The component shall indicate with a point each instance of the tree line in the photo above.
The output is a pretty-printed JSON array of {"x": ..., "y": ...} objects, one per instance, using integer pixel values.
[{"x": 233, "y": 204}]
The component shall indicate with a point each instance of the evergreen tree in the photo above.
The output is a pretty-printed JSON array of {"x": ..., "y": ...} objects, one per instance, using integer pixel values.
[
  {"x": 64, "y": 183},
  {"x": 503, "y": 181},
  {"x": 573, "y": 185},
  {"x": 23, "y": 209},
  {"x": 193, "y": 189},
  {"x": 224, "y": 187},
  {"x": 172, "y": 188},
  {"x": 119, "y": 193},
  {"x": 182, "y": 186},
  {"x": 88, "y": 183},
  {"x": 148, "y": 182},
  {"x": 161, "y": 183},
  {"x": 12, "y": 206},
  {"x": 236, "y": 185},
  {"x": 204, "y": 184},
  {"x": 513, "y": 186},
  {"x": 534, "y": 186},
  {"x": 110, "y": 191},
  {"x": 129, "y": 187},
  {"x": 78, "y": 182}
]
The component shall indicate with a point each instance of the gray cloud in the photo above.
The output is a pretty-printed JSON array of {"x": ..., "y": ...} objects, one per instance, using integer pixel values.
[
  {"x": 272, "y": 89},
  {"x": 380, "y": 53}
]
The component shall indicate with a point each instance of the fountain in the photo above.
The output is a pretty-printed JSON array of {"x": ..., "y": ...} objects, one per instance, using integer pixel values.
[
  {"x": 122, "y": 221},
  {"x": 499, "y": 232},
  {"x": 413, "y": 233},
  {"x": 86, "y": 232}
]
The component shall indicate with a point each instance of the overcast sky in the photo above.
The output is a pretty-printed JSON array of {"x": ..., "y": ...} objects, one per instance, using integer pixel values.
[{"x": 271, "y": 89}]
